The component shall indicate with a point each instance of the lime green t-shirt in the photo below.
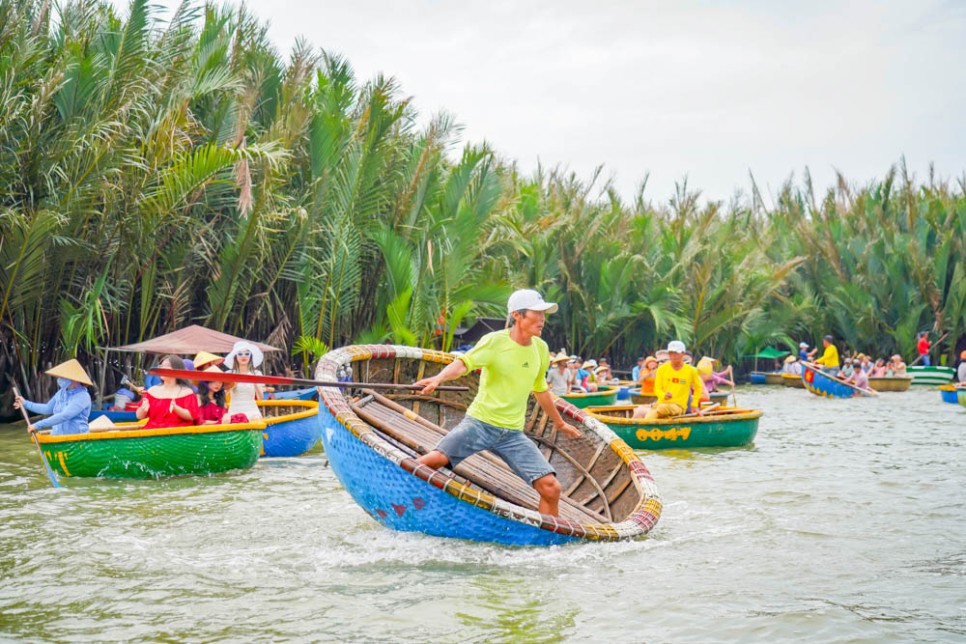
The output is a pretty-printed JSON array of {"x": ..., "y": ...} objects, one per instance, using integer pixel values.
[{"x": 509, "y": 373}]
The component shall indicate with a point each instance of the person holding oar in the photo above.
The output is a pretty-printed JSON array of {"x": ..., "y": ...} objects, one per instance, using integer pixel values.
[
  {"x": 70, "y": 406},
  {"x": 513, "y": 363}
]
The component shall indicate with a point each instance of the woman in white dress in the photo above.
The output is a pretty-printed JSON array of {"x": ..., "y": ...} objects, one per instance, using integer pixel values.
[{"x": 244, "y": 358}]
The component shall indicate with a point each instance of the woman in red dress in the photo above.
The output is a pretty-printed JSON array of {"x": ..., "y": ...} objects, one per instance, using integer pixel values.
[{"x": 172, "y": 403}]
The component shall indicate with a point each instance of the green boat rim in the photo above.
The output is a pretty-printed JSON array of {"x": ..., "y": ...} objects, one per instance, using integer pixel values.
[
  {"x": 600, "y": 392},
  {"x": 736, "y": 414},
  {"x": 129, "y": 430}
]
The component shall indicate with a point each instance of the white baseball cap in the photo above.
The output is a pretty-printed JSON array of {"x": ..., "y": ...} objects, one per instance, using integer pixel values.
[
  {"x": 676, "y": 346},
  {"x": 803, "y": 345},
  {"x": 530, "y": 300}
]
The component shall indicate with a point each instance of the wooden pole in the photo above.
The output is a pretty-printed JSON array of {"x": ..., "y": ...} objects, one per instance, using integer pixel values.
[{"x": 33, "y": 435}]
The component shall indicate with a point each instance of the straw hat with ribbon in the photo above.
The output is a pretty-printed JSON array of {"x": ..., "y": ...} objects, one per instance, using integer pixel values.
[
  {"x": 244, "y": 345},
  {"x": 205, "y": 359},
  {"x": 589, "y": 363},
  {"x": 72, "y": 370}
]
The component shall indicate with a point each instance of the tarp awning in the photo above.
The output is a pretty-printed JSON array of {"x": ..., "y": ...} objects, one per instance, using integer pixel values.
[
  {"x": 189, "y": 341},
  {"x": 768, "y": 354}
]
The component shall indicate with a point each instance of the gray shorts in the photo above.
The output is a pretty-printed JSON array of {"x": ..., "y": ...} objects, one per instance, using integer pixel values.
[{"x": 512, "y": 445}]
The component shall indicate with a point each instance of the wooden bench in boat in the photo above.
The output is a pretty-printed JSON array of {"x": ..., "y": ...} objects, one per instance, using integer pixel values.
[{"x": 416, "y": 436}]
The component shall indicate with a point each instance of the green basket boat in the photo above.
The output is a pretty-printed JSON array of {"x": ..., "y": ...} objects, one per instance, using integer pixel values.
[
  {"x": 606, "y": 396},
  {"x": 130, "y": 452},
  {"x": 725, "y": 427}
]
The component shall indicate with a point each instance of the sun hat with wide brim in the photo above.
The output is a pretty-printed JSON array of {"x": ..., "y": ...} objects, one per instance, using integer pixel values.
[
  {"x": 560, "y": 357},
  {"x": 589, "y": 363},
  {"x": 72, "y": 370},
  {"x": 244, "y": 345},
  {"x": 790, "y": 359},
  {"x": 205, "y": 359},
  {"x": 649, "y": 359}
]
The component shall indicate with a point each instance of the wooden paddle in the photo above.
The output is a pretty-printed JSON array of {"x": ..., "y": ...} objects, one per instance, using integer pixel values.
[
  {"x": 228, "y": 376},
  {"x": 33, "y": 435},
  {"x": 693, "y": 414}
]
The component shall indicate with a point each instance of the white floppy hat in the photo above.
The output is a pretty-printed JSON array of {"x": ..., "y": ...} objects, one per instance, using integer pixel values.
[
  {"x": 244, "y": 345},
  {"x": 676, "y": 346},
  {"x": 529, "y": 300}
]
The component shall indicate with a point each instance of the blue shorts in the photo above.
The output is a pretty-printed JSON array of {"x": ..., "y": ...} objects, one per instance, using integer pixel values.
[{"x": 512, "y": 445}]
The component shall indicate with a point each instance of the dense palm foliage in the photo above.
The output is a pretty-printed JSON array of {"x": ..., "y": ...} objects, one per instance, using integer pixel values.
[{"x": 159, "y": 174}]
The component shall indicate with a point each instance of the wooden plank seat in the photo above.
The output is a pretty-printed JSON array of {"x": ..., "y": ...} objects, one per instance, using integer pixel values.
[{"x": 417, "y": 436}]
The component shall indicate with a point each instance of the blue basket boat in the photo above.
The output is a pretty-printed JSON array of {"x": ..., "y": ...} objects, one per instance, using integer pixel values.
[
  {"x": 114, "y": 415},
  {"x": 822, "y": 384},
  {"x": 948, "y": 393},
  {"x": 373, "y": 438},
  {"x": 308, "y": 393},
  {"x": 291, "y": 426}
]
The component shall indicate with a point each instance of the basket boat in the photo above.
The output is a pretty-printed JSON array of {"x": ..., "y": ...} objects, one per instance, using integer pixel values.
[
  {"x": 891, "y": 383},
  {"x": 724, "y": 427},
  {"x": 114, "y": 415},
  {"x": 949, "y": 393},
  {"x": 773, "y": 378},
  {"x": 372, "y": 441},
  {"x": 792, "y": 380},
  {"x": 822, "y": 384},
  {"x": 603, "y": 396},
  {"x": 291, "y": 426},
  {"x": 931, "y": 375},
  {"x": 130, "y": 452},
  {"x": 306, "y": 393},
  {"x": 641, "y": 399}
]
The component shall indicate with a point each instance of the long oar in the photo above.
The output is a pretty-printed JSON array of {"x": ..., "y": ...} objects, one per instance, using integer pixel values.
[
  {"x": 228, "y": 376},
  {"x": 43, "y": 459}
]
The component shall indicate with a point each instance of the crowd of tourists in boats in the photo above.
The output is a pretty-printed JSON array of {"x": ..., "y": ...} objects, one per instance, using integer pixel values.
[
  {"x": 559, "y": 465},
  {"x": 164, "y": 401}
]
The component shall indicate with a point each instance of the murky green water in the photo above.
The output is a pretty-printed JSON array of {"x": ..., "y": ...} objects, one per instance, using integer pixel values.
[{"x": 845, "y": 522}]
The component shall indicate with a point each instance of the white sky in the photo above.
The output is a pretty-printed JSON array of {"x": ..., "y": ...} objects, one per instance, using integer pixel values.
[{"x": 700, "y": 89}]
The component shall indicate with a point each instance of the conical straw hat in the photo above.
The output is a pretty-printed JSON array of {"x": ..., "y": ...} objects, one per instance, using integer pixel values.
[
  {"x": 560, "y": 357},
  {"x": 203, "y": 359},
  {"x": 72, "y": 370}
]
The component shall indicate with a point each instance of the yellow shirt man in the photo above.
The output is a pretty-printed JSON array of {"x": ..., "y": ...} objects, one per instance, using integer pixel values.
[
  {"x": 829, "y": 359},
  {"x": 679, "y": 383}
]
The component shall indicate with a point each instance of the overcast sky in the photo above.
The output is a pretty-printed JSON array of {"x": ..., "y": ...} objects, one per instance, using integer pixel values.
[{"x": 705, "y": 90}]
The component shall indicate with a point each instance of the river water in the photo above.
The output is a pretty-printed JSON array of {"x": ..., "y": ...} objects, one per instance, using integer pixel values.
[{"x": 846, "y": 521}]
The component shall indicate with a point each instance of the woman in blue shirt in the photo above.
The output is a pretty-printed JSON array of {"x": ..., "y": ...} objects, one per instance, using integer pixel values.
[{"x": 70, "y": 406}]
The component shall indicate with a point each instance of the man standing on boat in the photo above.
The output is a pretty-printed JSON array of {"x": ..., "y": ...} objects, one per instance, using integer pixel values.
[
  {"x": 829, "y": 359},
  {"x": 513, "y": 363}
]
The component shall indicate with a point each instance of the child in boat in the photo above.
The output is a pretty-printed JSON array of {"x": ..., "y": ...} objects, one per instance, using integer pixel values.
[
  {"x": 70, "y": 406},
  {"x": 898, "y": 366},
  {"x": 646, "y": 378},
  {"x": 211, "y": 399},
  {"x": 172, "y": 403}
]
